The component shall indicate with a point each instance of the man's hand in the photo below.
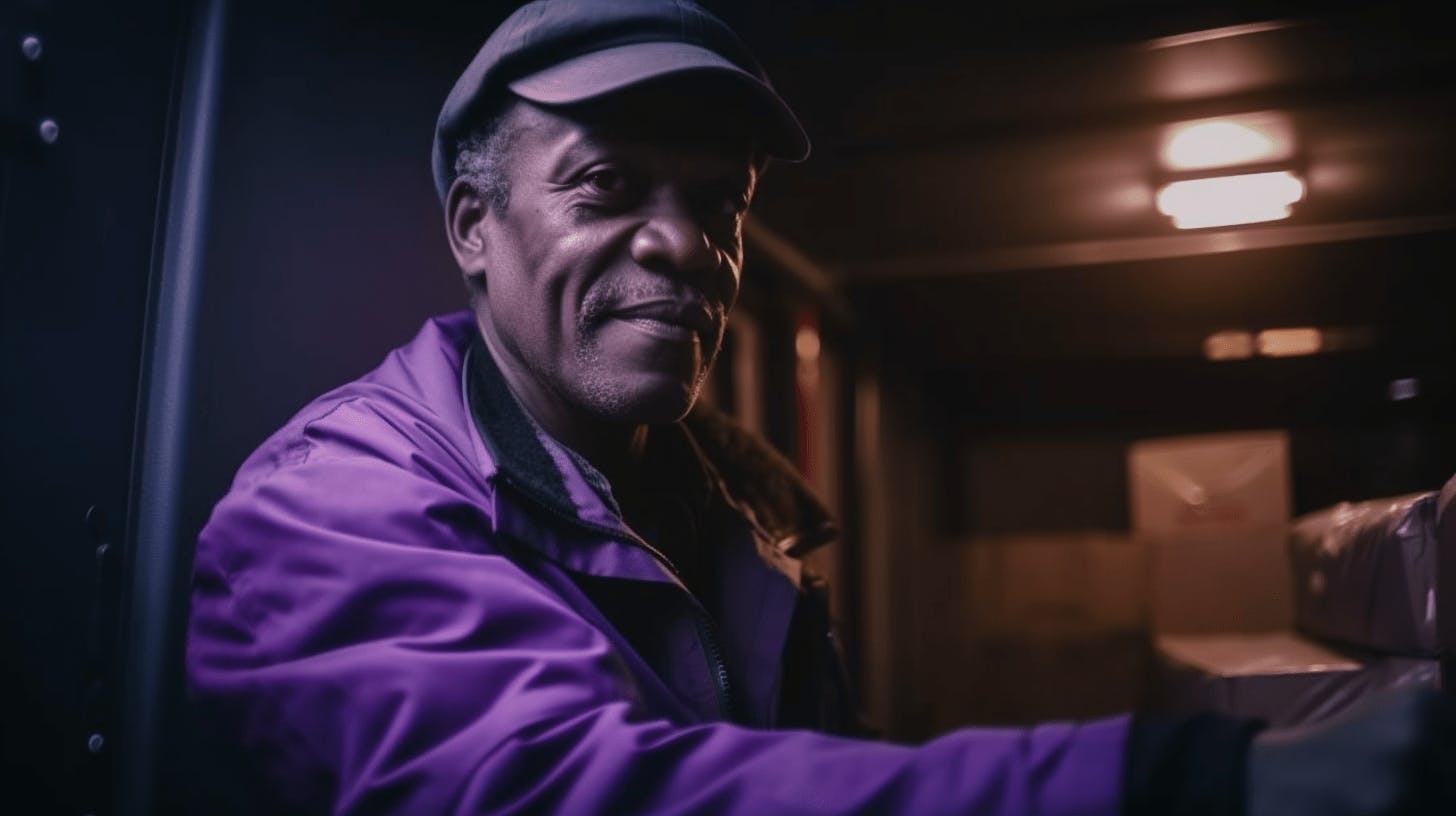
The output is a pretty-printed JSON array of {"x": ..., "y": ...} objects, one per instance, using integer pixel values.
[{"x": 1395, "y": 754}]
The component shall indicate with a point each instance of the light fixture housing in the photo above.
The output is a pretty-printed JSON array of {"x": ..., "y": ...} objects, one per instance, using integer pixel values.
[
  {"x": 1229, "y": 170},
  {"x": 1220, "y": 201}
]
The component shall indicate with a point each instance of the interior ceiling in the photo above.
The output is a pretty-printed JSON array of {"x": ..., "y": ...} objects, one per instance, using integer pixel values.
[{"x": 951, "y": 139}]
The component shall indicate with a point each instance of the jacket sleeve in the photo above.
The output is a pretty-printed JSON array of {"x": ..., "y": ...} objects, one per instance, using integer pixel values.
[{"x": 357, "y": 634}]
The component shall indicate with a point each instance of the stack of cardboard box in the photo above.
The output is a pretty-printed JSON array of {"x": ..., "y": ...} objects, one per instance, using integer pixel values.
[
  {"x": 1228, "y": 579},
  {"x": 1049, "y": 625}
]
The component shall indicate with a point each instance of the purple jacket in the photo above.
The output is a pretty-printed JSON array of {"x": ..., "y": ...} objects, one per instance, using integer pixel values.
[{"x": 414, "y": 601}]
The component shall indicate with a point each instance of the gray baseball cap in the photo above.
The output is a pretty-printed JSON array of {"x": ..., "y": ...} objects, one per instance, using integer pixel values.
[{"x": 561, "y": 52}]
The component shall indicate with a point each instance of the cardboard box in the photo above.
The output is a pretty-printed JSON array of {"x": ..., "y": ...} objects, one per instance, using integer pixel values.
[
  {"x": 1237, "y": 582},
  {"x": 1032, "y": 678},
  {"x": 1056, "y": 583},
  {"x": 1214, "y": 510},
  {"x": 1032, "y": 627},
  {"x": 1281, "y": 678},
  {"x": 1209, "y": 485}
]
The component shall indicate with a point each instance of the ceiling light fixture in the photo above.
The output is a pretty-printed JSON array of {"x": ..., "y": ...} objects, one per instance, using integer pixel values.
[
  {"x": 1289, "y": 342},
  {"x": 1229, "y": 345},
  {"x": 1250, "y": 138},
  {"x": 1221, "y": 201}
]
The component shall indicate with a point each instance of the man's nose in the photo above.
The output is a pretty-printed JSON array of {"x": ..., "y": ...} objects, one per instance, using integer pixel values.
[{"x": 673, "y": 242}]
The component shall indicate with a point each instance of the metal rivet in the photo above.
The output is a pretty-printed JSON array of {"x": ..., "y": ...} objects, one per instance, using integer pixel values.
[
  {"x": 101, "y": 549},
  {"x": 94, "y": 743},
  {"x": 49, "y": 131},
  {"x": 30, "y": 46}
]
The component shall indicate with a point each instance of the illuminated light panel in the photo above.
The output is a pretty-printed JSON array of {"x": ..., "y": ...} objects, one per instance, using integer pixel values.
[
  {"x": 1226, "y": 200},
  {"x": 1217, "y": 144},
  {"x": 806, "y": 343},
  {"x": 1289, "y": 342},
  {"x": 1228, "y": 141},
  {"x": 1229, "y": 345}
]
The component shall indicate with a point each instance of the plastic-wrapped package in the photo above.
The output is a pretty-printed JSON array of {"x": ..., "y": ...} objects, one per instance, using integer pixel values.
[
  {"x": 1365, "y": 574},
  {"x": 1446, "y": 579},
  {"x": 1279, "y": 677}
]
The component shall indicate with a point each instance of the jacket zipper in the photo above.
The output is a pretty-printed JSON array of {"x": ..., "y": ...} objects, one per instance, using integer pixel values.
[
  {"x": 707, "y": 631},
  {"x": 716, "y": 665}
]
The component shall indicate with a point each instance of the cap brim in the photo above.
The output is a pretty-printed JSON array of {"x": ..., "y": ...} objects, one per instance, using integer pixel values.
[{"x": 599, "y": 73}]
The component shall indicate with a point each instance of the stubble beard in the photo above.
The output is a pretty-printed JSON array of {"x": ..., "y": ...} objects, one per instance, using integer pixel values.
[{"x": 602, "y": 391}]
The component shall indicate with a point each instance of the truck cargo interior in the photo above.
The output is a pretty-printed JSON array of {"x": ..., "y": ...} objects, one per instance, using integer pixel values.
[{"x": 1117, "y": 334}]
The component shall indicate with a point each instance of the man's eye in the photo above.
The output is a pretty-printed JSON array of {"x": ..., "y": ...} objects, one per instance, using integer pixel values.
[{"x": 609, "y": 182}]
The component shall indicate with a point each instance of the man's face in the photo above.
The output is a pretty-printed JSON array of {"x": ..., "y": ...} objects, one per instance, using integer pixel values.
[{"x": 609, "y": 275}]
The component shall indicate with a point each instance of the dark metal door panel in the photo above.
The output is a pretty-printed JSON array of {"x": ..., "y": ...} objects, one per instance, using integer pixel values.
[{"x": 78, "y": 203}]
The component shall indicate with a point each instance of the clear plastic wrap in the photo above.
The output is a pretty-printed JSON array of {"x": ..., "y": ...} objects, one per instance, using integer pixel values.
[
  {"x": 1446, "y": 582},
  {"x": 1278, "y": 677},
  {"x": 1365, "y": 574}
]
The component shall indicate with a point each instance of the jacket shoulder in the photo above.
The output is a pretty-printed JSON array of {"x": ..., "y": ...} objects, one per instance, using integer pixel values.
[
  {"x": 393, "y": 445},
  {"x": 408, "y": 412}
]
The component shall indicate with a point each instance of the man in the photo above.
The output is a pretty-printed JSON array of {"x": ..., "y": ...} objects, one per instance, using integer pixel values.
[{"x": 517, "y": 569}]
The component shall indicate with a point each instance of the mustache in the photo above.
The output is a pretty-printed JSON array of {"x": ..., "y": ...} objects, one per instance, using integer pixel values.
[{"x": 612, "y": 296}]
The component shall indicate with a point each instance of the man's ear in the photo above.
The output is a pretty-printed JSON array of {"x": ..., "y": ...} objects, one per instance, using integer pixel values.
[{"x": 465, "y": 214}]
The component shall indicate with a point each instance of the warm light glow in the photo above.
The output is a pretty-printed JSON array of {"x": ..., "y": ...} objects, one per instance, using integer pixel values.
[
  {"x": 1229, "y": 141},
  {"x": 806, "y": 343},
  {"x": 1217, "y": 144},
  {"x": 1289, "y": 342},
  {"x": 1224, "y": 200},
  {"x": 1229, "y": 345}
]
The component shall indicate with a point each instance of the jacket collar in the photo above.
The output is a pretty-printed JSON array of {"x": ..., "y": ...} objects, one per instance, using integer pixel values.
[
  {"x": 726, "y": 463},
  {"x": 760, "y": 518},
  {"x": 516, "y": 443}
]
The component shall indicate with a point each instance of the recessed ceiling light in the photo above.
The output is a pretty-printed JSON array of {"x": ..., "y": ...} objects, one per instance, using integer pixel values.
[
  {"x": 1228, "y": 141},
  {"x": 1229, "y": 345},
  {"x": 1225, "y": 200},
  {"x": 1289, "y": 342}
]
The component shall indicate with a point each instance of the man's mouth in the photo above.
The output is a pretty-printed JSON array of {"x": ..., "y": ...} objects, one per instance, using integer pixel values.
[{"x": 680, "y": 321}]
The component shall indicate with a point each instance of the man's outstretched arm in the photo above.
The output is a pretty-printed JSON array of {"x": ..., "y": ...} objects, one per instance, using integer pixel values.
[{"x": 382, "y": 656}]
